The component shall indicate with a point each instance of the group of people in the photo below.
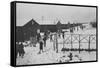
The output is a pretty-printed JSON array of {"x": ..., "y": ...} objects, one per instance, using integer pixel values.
[
  {"x": 19, "y": 49},
  {"x": 40, "y": 39}
]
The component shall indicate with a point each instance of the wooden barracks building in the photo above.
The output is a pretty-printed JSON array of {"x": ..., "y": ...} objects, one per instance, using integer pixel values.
[{"x": 30, "y": 29}]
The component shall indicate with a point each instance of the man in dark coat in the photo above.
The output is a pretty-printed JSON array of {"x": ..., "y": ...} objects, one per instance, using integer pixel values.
[
  {"x": 38, "y": 37},
  {"x": 63, "y": 35},
  {"x": 41, "y": 46},
  {"x": 71, "y": 30},
  {"x": 21, "y": 50},
  {"x": 44, "y": 39},
  {"x": 50, "y": 37}
]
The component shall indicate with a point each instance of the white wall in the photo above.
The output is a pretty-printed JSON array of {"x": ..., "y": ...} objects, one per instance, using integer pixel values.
[{"x": 5, "y": 33}]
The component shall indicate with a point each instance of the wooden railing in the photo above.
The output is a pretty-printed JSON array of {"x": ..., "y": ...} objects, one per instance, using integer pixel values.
[{"x": 77, "y": 39}]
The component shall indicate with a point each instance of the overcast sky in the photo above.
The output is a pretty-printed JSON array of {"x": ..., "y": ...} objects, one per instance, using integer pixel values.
[{"x": 48, "y": 14}]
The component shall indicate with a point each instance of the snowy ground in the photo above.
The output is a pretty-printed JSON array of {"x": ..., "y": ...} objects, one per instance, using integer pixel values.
[{"x": 32, "y": 55}]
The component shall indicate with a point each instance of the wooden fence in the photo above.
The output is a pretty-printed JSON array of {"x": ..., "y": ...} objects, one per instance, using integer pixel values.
[{"x": 77, "y": 39}]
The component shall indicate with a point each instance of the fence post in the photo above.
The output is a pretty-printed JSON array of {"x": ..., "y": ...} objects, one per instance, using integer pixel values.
[
  {"x": 89, "y": 44},
  {"x": 56, "y": 44},
  {"x": 63, "y": 43},
  {"x": 71, "y": 43},
  {"x": 79, "y": 43}
]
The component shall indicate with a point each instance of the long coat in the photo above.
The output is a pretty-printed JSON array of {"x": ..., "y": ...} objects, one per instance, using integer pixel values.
[{"x": 41, "y": 45}]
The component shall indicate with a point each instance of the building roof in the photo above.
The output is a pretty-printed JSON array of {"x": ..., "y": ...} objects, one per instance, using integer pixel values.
[{"x": 31, "y": 23}]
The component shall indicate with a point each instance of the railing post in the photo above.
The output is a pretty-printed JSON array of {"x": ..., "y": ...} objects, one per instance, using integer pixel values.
[
  {"x": 79, "y": 43},
  {"x": 63, "y": 44},
  {"x": 56, "y": 44},
  {"x": 71, "y": 43},
  {"x": 89, "y": 44}
]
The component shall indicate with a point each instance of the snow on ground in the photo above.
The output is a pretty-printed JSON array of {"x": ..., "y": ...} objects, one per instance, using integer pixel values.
[{"x": 32, "y": 55}]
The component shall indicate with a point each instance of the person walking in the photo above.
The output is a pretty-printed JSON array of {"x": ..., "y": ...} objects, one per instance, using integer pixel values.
[
  {"x": 21, "y": 50},
  {"x": 38, "y": 37},
  {"x": 41, "y": 46},
  {"x": 44, "y": 39},
  {"x": 71, "y": 30},
  {"x": 50, "y": 37},
  {"x": 63, "y": 35}
]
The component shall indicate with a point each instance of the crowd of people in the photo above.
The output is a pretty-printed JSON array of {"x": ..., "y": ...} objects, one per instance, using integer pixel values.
[{"x": 39, "y": 39}]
